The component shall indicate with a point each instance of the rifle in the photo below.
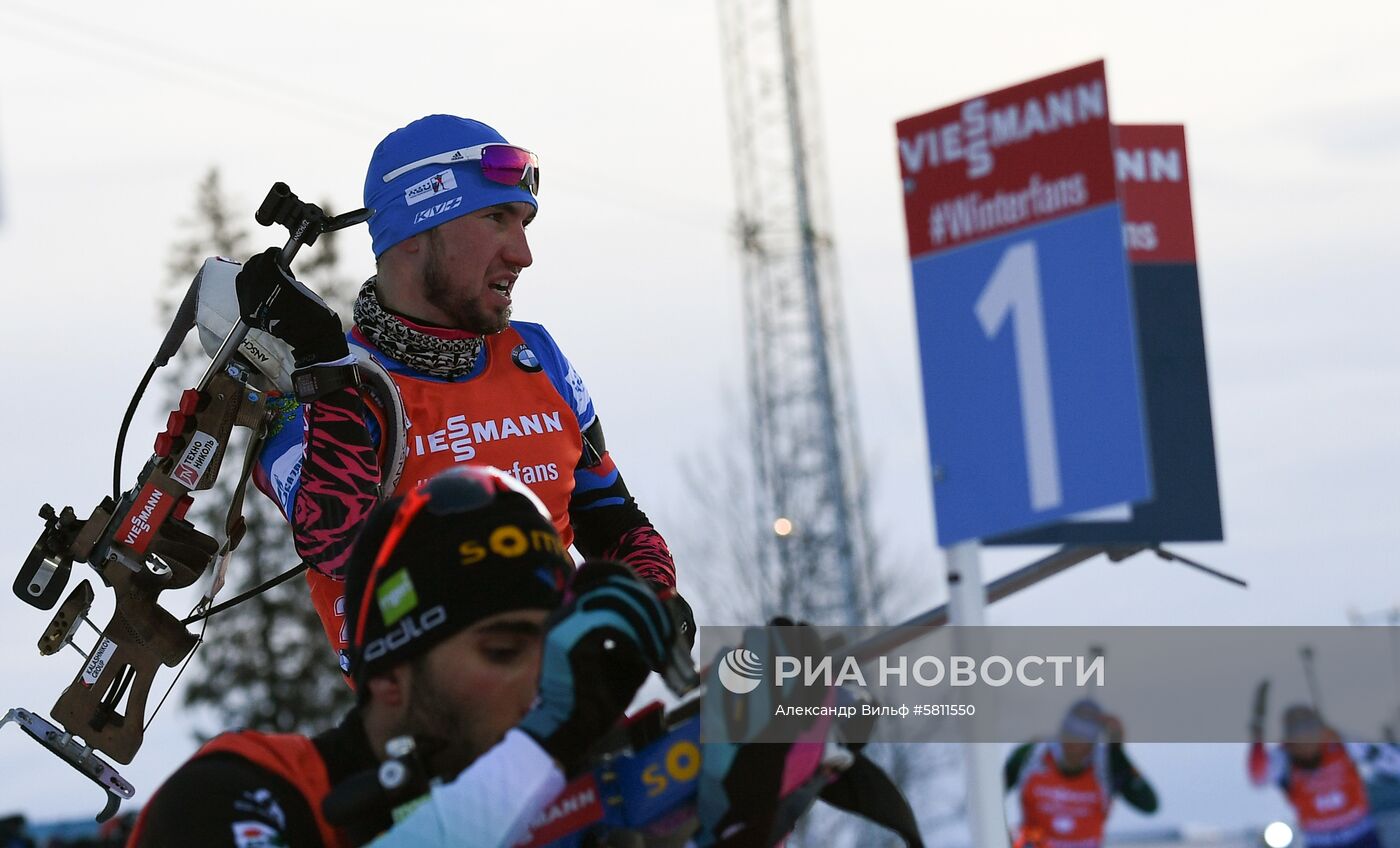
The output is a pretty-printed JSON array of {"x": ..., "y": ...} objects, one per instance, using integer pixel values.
[{"x": 140, "y": 543}]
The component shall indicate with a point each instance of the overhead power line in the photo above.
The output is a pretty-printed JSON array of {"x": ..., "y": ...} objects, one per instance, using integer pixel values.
[{"x": 171, "y": 65}]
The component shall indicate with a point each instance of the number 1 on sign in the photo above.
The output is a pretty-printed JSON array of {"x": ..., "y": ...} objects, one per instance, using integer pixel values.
[{"x": 1014, "y": 291}]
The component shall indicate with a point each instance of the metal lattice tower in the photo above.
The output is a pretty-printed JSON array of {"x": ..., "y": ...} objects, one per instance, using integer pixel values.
[{"x": 803, "y": 429}]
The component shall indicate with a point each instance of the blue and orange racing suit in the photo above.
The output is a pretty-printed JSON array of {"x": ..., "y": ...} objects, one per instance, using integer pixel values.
[{"x": 523, "y": 408}]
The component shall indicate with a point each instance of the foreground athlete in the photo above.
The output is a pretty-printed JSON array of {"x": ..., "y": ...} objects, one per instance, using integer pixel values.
[
  {"x": 451, "y": 201},
  {"x": 450, "y": 590},
  {"x": 1067, "y": 786}
]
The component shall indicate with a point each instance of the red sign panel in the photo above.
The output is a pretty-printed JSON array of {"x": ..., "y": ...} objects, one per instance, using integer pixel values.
[
  {"x": 1017, "y": 157},
  {"x": 577, "y": 806},
  {"x": 1156, "y": 190},
  {"x": 145, "y": 517}
]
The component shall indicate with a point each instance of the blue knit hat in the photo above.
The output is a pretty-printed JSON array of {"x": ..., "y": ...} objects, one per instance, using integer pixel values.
[{"x": 431, "y": 194}]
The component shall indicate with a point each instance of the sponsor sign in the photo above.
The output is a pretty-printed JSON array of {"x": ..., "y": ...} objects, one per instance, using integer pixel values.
[
  {"x": 525, "y": 359},
  {"x": 582, "y": 400},
  {"x": 396, "y": 597},
  {"x": 196, "y": 459},
  {"x": 97, "y": 663},
  {"x": 409, "y": 629},
  {"x": 1150, "y": 164},
  {"x": 1023, "y": 309},
  {"x": 660, "y": 776},
  {"x": 437, "y": 209},
  {"x": 461, "y": 436},
  {"x": 146, "y": 514},
  {"x": 578, "y": 806},
  {"x": 256, "y": 834},
  {"x": 443, "y": 180},
  {"x": 994, "y": 164},
  {"x": 1153, "y": 181}
]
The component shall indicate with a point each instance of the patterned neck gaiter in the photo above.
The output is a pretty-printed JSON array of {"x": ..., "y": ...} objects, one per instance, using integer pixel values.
[{"x": 423, "y": 352}]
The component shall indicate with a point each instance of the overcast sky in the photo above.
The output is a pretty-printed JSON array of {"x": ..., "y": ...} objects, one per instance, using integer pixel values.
[{"x": 111, "y": 113}]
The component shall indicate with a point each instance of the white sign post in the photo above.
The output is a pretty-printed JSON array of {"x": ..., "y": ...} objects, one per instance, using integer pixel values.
[{"x": 967, "y": 602}]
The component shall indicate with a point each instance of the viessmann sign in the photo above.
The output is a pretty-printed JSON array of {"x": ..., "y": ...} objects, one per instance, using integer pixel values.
[
  {"x": 1024, "y": 312},
  {"x": 997, "y": 163}
]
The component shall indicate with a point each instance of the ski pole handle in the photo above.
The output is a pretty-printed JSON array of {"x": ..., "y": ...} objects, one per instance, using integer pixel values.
[{"x": 305, "y": 221}]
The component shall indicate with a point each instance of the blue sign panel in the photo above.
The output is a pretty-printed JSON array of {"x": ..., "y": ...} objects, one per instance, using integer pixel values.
[
  {"x": 1186, "y": 500},
  {"x": 1031, "y": 382},
  {"x": 660, "y": 777},
  {"x": 1025, "y": 317},
  {"x": 1155, "y": 189}
]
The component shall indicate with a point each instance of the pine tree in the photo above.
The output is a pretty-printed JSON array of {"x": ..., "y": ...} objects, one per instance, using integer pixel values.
[{"x": 264, "y": 664}]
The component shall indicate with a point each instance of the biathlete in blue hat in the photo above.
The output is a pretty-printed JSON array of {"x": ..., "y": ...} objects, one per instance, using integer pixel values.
[{"x": 465, "y": 383}]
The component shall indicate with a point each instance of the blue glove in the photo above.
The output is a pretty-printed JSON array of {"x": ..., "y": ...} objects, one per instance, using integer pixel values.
[
  {"x": 597, "y": 653},
  {"x": 271, "y": 299}
]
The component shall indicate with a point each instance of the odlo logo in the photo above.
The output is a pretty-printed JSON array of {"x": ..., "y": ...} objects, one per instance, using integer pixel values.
[
  {"x": 408, "y": 630},
  {"x": 741, "y": 671}
]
